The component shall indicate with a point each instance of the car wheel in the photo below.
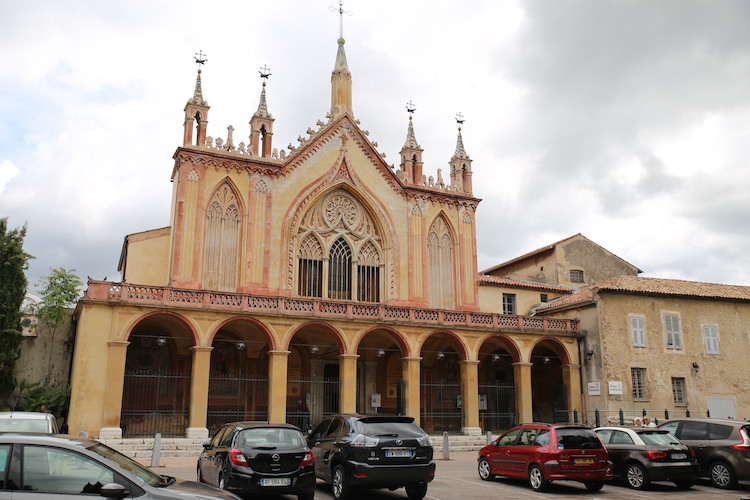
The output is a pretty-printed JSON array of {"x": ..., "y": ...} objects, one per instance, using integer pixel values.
[
  {"x": 416, "y": 491},
  {"x": 485, "y": 473},
  {"x": 637, "y": 477},
  {"x": 685, "y": 484},
  {"x": 536, "y": 479},
  {"x": 594, "y": 485},
  {"x": 339, "y": 484},
  {"x": 722, "y": 476}
]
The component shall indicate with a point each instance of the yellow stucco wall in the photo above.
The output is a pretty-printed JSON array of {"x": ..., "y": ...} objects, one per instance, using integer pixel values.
[{"x": 148, "y": 257}]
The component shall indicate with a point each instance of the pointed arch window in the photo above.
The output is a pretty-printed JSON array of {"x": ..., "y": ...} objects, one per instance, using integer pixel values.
[
  {"x": 440, "y": 265},
  {"x": 221, "y": 244},
  {"x": 310, "y": 268},
  {"x": 340, "y": 270},
  {"x": 368, "y": 274}
]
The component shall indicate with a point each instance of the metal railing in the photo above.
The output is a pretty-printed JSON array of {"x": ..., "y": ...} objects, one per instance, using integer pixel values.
[{"x": 599, "y": 418}]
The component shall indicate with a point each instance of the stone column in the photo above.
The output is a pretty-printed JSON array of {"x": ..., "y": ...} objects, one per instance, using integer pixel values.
[
  {"x": 277, "y": 372},
  {"x": 115, "y": 375},
  {"x": 412, "y": 378},
  {"x": 348, "y": 382},
  {"x": 199, "y": 392},
  {"x": 522, "y": 377},
  {"x": 470, "y": 397},
  {"x": 571, "y": 375}
]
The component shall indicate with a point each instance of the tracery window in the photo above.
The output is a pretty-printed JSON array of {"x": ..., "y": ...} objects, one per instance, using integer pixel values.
[
  {"x": 368, "y": 274},
  {"x": 340, "y": 271},
  {"x": 440, "y": 263},
  {"x": 310, "y": 282},
  {"x": 221, "y": 244}
]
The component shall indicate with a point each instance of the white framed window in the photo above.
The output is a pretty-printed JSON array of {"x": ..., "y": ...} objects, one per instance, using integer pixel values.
[
  {"x": 672, "y": 331},
  {"x": 638, "y": 331},
  {"x": 637, "y": 378},
  {"x": 711, "y": 339},
  {"x": 678, "y": 391},
  {"x": 509, "y": 303}
]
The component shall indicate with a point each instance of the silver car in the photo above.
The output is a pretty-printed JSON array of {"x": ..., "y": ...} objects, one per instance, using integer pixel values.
[
  {"x": 38, "y": 466},
  {"x": 28, "y": 421}
]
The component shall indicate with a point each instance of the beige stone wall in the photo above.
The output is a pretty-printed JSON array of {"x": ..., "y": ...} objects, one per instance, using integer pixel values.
[
  {"x": 597, "y": 263},
  {"x": 722, "y": 375},
  {"x": 148, "y": 257},
  {"x": 41, "y": 355}
]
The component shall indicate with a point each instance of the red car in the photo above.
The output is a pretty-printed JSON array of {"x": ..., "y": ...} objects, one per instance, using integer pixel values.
[{"x": 543, "y": 453}]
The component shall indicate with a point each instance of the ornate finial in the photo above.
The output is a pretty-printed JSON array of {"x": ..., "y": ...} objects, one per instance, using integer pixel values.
[
  {"x": 341, "y": 12},
  {"x": 410, "y": 108},
  {"x": 200, "y": 57},
  {"x": 265, "y": 72},
  {"x": 460, "y": 120}
]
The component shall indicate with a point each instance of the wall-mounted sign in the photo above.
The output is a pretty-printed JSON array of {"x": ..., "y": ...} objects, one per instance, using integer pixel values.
[
  {"x": 595, "y": 388},
  {"x": 375, "y": 400},
  {"x": 615, "y": 387}
]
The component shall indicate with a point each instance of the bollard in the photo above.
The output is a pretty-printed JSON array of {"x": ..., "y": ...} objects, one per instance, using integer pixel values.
[
  {"x": 597, "y": 418},
  {"x": 489, "y": 437},
  {"x": 575, "y": 416},
  {"x": 622, "y": 417},
  {"x": 156, "y": 454},
  {"x": 446, "y": 453}
]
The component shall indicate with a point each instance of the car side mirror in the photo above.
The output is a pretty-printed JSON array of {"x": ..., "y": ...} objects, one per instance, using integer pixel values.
[
  {"x": 206, "y": 445},
  {"x": 113, "y": 490}
]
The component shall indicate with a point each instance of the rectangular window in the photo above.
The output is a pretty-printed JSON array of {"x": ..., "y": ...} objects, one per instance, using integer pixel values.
[
  {"x": 711, "y": 339},
  {"x": 638, "y": 330},
  {"x": 672, "y": 330},
  {"x": 678, "y": 391},
  {"x": 543, "y": 298},
  {"x": 509, "y": 303},
  {"x": 576, "y": 276},
  {"x": 639, "y": 387}
]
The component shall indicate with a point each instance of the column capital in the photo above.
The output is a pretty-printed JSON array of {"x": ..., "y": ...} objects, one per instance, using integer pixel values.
[
  {"x": 348, "y": 356},
  {"x": 201, "y": 348},
  {"x": 118, "y": 343},
  {"x": 469, "y": 361},
  {"x": 413, "y": 358},
  {"x": 522, "y": 364},
  {"x": 279, "y": 353}
]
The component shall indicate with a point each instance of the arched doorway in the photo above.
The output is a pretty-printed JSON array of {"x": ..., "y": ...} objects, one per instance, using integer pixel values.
[
  {"x": 440, "y": 384},
  {"x": 380, "y": 373},
  {"x": 496, "y": 383},
  {"x": 238, "y": 377},
  {"x": 312, "y": 376},
  {"x": 549, "y": 393},
  {"x": 156, "y": 385}
]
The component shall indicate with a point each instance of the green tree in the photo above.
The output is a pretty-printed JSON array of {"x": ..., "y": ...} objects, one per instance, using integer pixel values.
[
  {"x": 13, "y": 263},
  {"x": 58, "y": 291}
]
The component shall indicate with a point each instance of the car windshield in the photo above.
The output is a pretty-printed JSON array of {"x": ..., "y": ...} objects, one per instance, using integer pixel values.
[
  {"x": 577, "y": 439},
  {"x": 392, "y": 427},
  {"x": 270, "y": 438},
  {"x": 24, "y": 425},
  {"x": 139, "y": 471},
  {"x": 656, "y": 437}
]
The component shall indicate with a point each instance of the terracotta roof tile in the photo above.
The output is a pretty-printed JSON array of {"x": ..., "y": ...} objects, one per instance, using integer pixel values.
[{"x": 489, "y": 280}]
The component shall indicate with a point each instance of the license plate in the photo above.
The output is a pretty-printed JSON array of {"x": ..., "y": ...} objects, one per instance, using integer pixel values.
[
  {"x": 679, "y": 456},
  {"x": 275, "y": 481},
  {"x": 583, "y": 460},
  {"x": 398, "y": 453}
]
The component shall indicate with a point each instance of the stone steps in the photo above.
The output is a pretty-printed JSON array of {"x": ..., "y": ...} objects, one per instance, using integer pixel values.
[{"x": 143, "y": 448}]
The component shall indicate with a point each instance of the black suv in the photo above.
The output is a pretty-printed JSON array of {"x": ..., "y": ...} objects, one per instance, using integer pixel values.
[
  {"x": 372, "y": 451},
  {"x": 258, "y": 457},
  {"x": 721, "y": 446}
]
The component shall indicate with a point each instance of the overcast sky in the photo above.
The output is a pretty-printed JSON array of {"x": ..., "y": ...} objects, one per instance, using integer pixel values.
[{"x": 626, "y": 121}]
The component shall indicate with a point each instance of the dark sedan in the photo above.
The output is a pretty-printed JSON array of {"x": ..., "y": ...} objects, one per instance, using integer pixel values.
[
  {"x": 36, "y": 466},
  {"x": 258, "y": 457},
  {"x": 642, "y": 455}
]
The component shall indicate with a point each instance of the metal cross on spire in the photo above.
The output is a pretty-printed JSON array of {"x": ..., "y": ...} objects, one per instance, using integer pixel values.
[
  {"x": 200, "y": 57},
  {"x": 410, "y": 108},
  {"x": 460, "y": 119},
  {"x": 341, "y": 12},
  {"x": 265, "y": 72}
]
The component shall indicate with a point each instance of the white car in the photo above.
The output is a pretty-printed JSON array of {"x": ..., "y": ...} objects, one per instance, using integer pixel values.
[{"x": 28, "y": 421}]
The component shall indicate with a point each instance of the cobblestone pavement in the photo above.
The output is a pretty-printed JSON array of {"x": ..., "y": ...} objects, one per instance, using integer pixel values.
[{"x": 457, "y": 479}]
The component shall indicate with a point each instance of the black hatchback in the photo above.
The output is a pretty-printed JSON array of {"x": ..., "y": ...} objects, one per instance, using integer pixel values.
[
  {"x": 258, "y": 457},
  {"x": 372, "y": 451}
]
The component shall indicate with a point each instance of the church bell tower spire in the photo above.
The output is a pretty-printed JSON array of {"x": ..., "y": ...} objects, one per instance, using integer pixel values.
[
  {"x": 461, "y": 163},
  {"x": 261, "y": 124},
  {"x": 196, "y": 110},
  {"x": 341, "y": 78},
  {"x": 411, "y": 152}
]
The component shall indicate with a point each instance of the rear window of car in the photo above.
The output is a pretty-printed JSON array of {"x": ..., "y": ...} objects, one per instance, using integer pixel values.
[
  {"x": 719, "y": 431},
  {"x": 265, "y": 437},
  {"x": 24, "y": 425},
  {"x": 694, "y": 430},
  {"x": 392, "y": 427},
  {"x": 577, "y": 439},
  {"x": 655, "y": 437}
]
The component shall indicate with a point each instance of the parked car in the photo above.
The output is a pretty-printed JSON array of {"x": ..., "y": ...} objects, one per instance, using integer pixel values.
[
  {"x": 543, "y": 453},
  {"x": 258, "y": 458},
  {"x": 43, "y": 466},
  {"x": 642, "y": 455},
  {"x": 721, "y": 446},
  {"x": 372, "y": 451},
  {"x": 28, "y": 421}
]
